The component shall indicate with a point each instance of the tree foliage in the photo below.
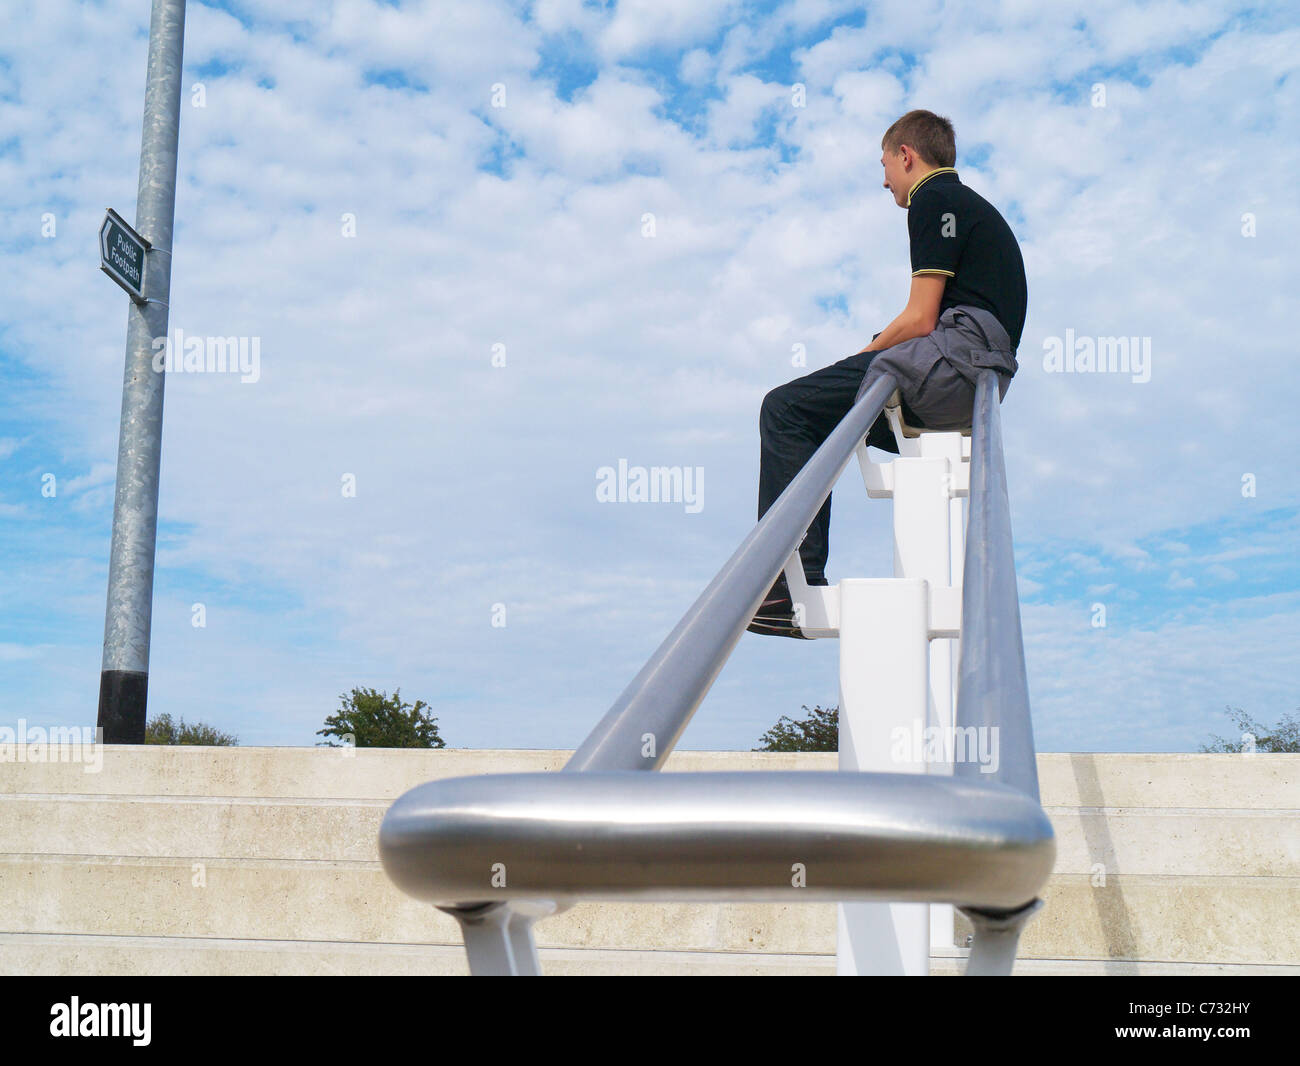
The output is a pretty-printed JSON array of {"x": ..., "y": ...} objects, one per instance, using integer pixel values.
[
  {"x": 162, "y": 730},
  {"x": 370, "y": 719},
  {"x": 820, "y": 731},
  {"x": 1283, "y": 737}
]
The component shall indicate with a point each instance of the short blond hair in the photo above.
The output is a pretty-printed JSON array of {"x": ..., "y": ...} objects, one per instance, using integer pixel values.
[{"x": 929, "y": 135}]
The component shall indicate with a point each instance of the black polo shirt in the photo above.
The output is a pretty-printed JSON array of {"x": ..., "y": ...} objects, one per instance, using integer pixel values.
[{"x": 956, "y": 232}]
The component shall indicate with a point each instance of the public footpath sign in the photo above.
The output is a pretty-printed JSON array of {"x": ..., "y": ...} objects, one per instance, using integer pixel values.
[{"x": 122, "y": 254}]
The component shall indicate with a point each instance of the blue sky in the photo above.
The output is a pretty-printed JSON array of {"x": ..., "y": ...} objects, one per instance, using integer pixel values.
[{"x": 520, "y": 228}]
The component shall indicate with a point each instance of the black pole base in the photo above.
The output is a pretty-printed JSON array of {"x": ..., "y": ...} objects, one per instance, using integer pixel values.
[{"x": 122, "y": 698}]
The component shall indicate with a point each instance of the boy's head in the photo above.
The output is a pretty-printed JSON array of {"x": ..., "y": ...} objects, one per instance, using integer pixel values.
[{"x": 913, "y": 146}]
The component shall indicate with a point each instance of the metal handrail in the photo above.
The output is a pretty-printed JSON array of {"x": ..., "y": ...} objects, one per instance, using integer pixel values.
[
  {"x": 661, "y": 699},
  {"x": 598, "y": 831},
  {"x": 993, "y": 691},
  {"x": 721, "y": 835}
]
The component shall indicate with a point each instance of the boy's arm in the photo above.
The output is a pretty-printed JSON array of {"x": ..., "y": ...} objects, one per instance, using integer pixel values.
[{"x": 918, "y": 318}]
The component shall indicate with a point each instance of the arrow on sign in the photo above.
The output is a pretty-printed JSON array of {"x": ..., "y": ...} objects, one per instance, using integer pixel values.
[{"x": 122, "y": 255}]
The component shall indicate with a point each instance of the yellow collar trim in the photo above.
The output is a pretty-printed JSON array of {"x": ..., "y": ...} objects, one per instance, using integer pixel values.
[{"x": 937, "y": 170}]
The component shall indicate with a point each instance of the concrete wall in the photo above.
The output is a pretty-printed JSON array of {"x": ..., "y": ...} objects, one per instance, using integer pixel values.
[{"x": 179, "y": 860}]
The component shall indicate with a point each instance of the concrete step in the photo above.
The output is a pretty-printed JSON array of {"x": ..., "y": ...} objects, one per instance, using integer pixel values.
[
  {"x": 192, "y": 826},
  {"x": 1165, "y": 841},
  {"x": 351, "y": 901},
  {"x": 183, "y": 956},
  {"x": 1263, "y": 781},
  {"x": 220, "y": 858},
  {"x": 1249, "y": 920},
  {"x": 1176, "y": 841},
  {"x": 64, "y": 955},
  {"x": 1116, "y": 780},
  {"x": 1239, "y": 920},
  {"x": 953, "y": 967}
]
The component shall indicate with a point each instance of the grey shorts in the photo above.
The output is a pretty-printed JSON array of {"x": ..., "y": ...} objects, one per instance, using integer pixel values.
[{"x": 936, "y": 373}]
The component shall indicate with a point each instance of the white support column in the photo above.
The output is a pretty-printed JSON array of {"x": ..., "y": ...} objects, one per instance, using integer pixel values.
[
  {"x": 942, "y": 915},
  {"x": 891, "y": 686},
  {"x": 927, "y": 540},
  {"x": 884, "y": 623}
]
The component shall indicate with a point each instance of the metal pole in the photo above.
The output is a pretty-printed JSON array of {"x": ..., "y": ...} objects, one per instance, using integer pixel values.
[
  {"x": 124, "y": 680},
  {"x": 997, "y": 936}
]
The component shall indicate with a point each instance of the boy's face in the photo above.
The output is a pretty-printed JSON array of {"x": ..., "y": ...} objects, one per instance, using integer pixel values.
[{"x": 900, "y": 172}]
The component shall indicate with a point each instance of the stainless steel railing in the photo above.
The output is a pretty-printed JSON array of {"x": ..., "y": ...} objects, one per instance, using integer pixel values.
[
  {"x": 992, "y": 690},
  {"x": 499, "y": 851},
  {"x": 661, "y": 699}
]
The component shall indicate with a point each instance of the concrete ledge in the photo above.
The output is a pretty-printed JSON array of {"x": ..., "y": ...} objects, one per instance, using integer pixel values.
[
  {"x": 327, "y": 773},
  {"x": 324, "y": 901},
  {"x": 63, "y": 955},
  {"x": 1173, "y": 919},
  {"x": 1260, "y": 781},
  {"x": 1124, "y": 841},
  {"x": 80, "y": 955},
  {"x": 946, "y": 967},
  {"x": 1246, "y": 920},
  {"x": 206, "y": 860}
]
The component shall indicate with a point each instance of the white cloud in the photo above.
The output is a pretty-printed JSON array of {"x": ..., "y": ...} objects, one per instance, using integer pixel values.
[
  {"x": 696, "y": 67},
  {"x": 475, "y": 483},
  {"x": 641, "y": 24}
]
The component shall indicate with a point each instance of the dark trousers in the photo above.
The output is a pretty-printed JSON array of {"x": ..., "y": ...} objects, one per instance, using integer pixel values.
[{"x": 795, "y": 419}]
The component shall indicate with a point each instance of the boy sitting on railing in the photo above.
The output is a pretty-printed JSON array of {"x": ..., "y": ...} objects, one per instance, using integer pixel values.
[{"x": 965, "y": 311}]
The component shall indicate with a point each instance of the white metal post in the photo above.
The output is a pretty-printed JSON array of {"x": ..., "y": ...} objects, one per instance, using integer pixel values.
[
  {"x": 884, "y": 656},
  {"x": 883, "y": 691},
  {"x": 948, "y": 649},
  {"x": 927, "y": 540}
]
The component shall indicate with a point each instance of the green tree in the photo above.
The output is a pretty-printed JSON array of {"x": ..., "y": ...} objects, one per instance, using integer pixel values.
[
  {"x": 820, "y": 731},
  {"x": 1283, "y": 737},
  {"x": 162, "y": 730},
  {"x": 370, "y": 719}
]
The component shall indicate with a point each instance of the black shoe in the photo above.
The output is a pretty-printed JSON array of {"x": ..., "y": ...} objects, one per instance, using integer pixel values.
[{"x": 775, "y": 616}]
